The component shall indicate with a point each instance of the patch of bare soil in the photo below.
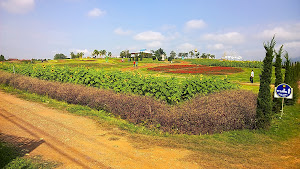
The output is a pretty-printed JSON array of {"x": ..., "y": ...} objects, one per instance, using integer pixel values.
[{"x": 78, "y": 142}]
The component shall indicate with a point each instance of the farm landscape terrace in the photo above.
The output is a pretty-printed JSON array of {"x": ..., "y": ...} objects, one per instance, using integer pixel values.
[{"x": 190, "y": 97}]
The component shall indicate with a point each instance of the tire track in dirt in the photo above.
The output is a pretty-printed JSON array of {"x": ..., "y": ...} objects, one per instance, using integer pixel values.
[
  {"x": 29, "y": 128},
  {"x": 78, "y": 142}
]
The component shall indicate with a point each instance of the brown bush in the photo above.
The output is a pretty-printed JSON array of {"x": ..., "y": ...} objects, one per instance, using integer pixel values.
[{"x": 227, "y": 110}]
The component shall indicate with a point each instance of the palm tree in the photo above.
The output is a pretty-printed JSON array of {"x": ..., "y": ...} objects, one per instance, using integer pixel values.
[
  {"x": 96, "y": 53},
  {"x": 80, "y": 55},
  {"x": 103, "y": 52}
]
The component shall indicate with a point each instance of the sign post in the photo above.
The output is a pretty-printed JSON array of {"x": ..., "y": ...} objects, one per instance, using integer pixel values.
[{"x": 283, "y": 91}]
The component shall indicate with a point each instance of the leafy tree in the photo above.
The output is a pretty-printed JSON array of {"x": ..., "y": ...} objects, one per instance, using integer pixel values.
[
  {"x": 73, "y": 56},
  {"x": 103, "y": 52},
  {"x": 197, "y": 54},
  {"x": 59, "y": 56},
  {"x": 212, "y": 56},
  {"x": 278, "y": 78},
  {"x": 80, "y": 55},
  {"x": 191, "y": 53},
  {"x": 264, "y": 100},
  {"x": 204, "y": 56},
  {"x": 2, "y": 58},
  {"x": 158, "y": 54},
  {"x": 172, "y": 55},
  {"x": 95, "y": 53},
  {"x": 109, "y": 54}
]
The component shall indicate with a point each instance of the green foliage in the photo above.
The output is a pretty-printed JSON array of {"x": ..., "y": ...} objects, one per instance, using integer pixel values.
[
  {"x": 264, "y": 100},
  {"x": 226, "y": 63},
  {"x": 287, "y": 76},
  {"x": 278, "y": 79},
  {"x": 7, "y": 154},
  {"x": 294, "y": 77},
  {"x": 169, "y": 89},
  {"x": 60, "y": 56},
  {"x": 2, "y": 58},
  {"x": 10, "y": 158}
]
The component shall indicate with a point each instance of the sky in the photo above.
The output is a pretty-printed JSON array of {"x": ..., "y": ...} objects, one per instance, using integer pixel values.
[{"x": 40, "y": 29}]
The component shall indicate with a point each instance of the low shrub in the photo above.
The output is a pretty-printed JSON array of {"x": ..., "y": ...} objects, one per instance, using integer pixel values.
[
  {"x": 227, "y": 110},
  {"x": 226, "y": 63}
]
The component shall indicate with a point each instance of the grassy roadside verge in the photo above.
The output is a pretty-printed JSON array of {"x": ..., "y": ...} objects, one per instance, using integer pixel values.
[
  {"x": 233, "y": 149},
  {"x": 10, "y": 158}
]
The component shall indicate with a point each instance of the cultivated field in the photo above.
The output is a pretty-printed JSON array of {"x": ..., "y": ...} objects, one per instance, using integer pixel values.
[{"x": 205, "y": 106}]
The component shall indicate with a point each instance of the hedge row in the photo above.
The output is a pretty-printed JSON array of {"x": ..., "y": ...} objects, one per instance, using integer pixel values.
[
  {"x": 169, "y": 89},
  {"x": 227, "y": 110},
  {"x": 226, "y": 63}
]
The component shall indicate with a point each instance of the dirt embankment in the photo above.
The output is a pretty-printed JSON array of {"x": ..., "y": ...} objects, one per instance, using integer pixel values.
[{"x": 78, "y": 142}]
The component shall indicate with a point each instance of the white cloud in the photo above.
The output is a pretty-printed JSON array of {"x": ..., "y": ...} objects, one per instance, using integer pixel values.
[
  {"x": 217, "y": 46},
  {"x": 85, "y": 51},
  {"x": 185, "y": 47},
  {"x": 154, "y": 44},
  {"x": 227, "y": 38},
  {"x": 294, "y": 44},
  {"x": 120, "y": 31},
  {"x": 149, "y": 36},
  {"x": 18, "y": 6},
  {"x": 96, "y": 12},
  {"x": 194, "y": 24},
  {"x": 291, "y": 32}
]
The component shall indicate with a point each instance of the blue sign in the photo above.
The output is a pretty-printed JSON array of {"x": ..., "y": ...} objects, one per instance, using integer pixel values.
[{"x": 283, "y": 90}]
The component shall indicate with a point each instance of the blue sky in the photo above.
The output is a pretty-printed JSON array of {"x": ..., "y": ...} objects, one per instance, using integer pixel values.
[{"x": 42, "y": 28}]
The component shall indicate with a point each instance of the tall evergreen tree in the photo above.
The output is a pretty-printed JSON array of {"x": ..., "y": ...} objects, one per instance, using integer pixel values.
[
  {"x": 288, "y": 76},
  {"x": 264, "y": 100},
  {"x": 278, "y": 78},
  {"x": 278, "y": 67},
  {"x": 287, "y": 65}
]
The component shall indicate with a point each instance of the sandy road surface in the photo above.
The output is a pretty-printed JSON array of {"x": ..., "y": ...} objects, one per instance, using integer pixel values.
[{"x": 77, "y": 142}]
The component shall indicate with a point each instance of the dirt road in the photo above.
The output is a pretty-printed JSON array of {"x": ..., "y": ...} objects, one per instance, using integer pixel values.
[{"x": 78, "y": 142}]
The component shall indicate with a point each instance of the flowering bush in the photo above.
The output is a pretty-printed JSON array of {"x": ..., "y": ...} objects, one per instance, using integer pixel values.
[{"x": 196, "y": 69}]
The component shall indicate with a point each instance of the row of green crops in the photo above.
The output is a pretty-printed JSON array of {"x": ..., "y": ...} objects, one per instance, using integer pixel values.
[
  {"x": 170, "y": 89},
  {"x": 226, "y": 63}
]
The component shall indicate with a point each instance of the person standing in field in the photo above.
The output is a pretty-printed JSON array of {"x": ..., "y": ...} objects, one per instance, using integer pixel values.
[
  {"x": 252, "y": 76},
  {"x": 133, "y": 63}
]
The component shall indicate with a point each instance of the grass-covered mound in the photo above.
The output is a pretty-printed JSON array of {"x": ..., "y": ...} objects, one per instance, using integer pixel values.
[{"x": 227, "y": 110}]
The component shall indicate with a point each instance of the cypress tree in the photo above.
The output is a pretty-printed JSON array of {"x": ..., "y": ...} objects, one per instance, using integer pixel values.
[
  {"x": 287, "y": 76},
  {"x": 264, "y": 100},
  {"x": 278, "y": 78},
  {"x": 291, "y": 78}
]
